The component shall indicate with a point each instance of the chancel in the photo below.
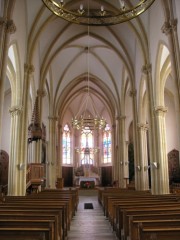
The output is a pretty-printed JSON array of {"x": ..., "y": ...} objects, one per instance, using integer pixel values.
[
  {"x": 89, "y": 113},
  {"x": 88, "y": 163}
]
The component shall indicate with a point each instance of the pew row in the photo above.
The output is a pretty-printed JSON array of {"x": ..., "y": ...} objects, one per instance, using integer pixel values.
[
  {"x": 120, "y": 206},
  {"x": 53, "y": 208}
]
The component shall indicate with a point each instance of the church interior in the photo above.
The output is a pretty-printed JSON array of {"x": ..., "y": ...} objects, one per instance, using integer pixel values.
[{"x": 90, "y": 109}]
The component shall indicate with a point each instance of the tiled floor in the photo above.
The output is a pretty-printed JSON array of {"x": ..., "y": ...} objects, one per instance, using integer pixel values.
[{"x": 90, "y": 224}]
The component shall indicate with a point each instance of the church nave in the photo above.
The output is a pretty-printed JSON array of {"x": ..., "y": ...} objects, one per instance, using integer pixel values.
[{"x": 90, "y": 223}]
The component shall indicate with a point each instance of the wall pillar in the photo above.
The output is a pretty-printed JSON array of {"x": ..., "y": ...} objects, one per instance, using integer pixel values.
[
  {"x": 161, "y": 164},
  {"x": 40, "y": 94},
  {"x": 143, "y": 155},
  {"x": 52, "y": 153},
  {"x": 114, "y": 148},
  {"x": 115, "y": 136},
  {"x": 122, "y": 151},
  {"x": 118, "y": 165},
  {"x": 59, "y": 152},
  {"x": 126, "y": 164},
  {"x": 15, "y": 166},
  {"x": 133, "y": 95},
  {"x": 23, "y": 131},
  {"x": 147, "y": 71}
]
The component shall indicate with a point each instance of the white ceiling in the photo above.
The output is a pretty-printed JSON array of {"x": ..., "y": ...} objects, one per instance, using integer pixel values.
[{"x": 63, "y": 57}]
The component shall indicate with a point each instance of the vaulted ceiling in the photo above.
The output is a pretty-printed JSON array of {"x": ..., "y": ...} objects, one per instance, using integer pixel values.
[{"x": 74, "y": 58}]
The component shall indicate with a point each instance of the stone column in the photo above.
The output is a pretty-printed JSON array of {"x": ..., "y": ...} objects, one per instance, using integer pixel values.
[
  {"x": 133, "y": 94},
  {"x": 15, "y": 165},
  {"x": 7, "y": 27},
  {"x": 143, "y": 156},
  {"x": 52, "y": 151},
  {"x": 40, "y": 94},
  {"x": 126, "y": 164},
  {"x": 147, "y": 71},
  {"x": 161, "y": 164},
  {"x": 114, "y": 149},
  {"x": 59, "y": 151},
  {"x": 122, "y": 151},
  {"x": 117, "y": 165},
  {"x": 28, "y": 73}
]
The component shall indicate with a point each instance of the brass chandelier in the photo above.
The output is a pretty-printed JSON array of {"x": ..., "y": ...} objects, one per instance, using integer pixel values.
[
  {"x": 97, "y": 12},
  {"x": 87, "y": 116},
  {"x": 84, "y": 120}
]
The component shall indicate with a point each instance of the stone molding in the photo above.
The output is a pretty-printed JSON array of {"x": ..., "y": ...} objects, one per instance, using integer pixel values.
[
  {"x": 170, "y": 26},
  {"x": 8, "y": 24},
  {"x": 143, "y": 126},
  {"x": 15, "y": 110},
  {"x": 146, "y": 69},
  {"x": 160, "y": 110}
]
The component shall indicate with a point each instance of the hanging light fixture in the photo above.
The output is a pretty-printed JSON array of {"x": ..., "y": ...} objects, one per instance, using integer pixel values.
[
  {"x": 100, "y": 13},
  {"x": 83, "y": 119}
]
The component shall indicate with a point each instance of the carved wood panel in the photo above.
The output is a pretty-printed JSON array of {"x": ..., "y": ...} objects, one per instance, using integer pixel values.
[
  {"x": 4, "y": 164},
  {"x": 106, "y": 176},
  {"x": 173, "y": 165}
]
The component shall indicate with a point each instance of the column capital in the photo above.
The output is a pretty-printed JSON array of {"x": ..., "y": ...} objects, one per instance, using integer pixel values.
[
  {"x": 166, "y": 28},
  {"x": 53, "y": 118},
  {"x": 133, "y": 93},
  {"x": 146, "y": 69},
  {"x": 29, "y": 68},
  {"x": 8, "y": 24},
  {"x": 159, "y": 110},
  {"x": 121, "y": 117},
  {"x": 169, "y": 26},
  {"x": 41, "y": 93},
  {"x": 174, "y": 24},
  {"x": 15, "y": 110},
  {"x": 11, "y": 28},
  {"x": 142, "y": 126}
]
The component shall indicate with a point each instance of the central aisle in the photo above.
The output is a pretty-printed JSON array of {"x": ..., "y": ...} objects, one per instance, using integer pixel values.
[{"x": 90, "y": 224}]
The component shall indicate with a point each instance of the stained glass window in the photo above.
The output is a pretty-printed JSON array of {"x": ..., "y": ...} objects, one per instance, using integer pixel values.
[
  {"x": 66, "y": 144},
  {"x": 107, "y": 145}
]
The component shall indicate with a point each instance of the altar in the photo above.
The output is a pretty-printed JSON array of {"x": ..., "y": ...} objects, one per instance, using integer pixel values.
[
  {"x": 87, "y": 176},
  {"x": 94, "y": 180},
  {"x": 87, "y": 179}
]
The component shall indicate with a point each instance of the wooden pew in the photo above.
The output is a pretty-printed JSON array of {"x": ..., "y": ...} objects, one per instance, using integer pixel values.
[
  {"x": 160, "y": 220},
  {"x": 120, "y": 201},
  {"x": 36, "y": 209},
  {"x": 123, "y": 224},
  {"x": 159, "y": 233},
  {"x": 34, "y": 216},
  {"x": 14, "y": 227},
  {"x": 114, "y": 203},
  {"x": 61, "y": 208},
  {"x": 59, "y": 196},
  {"x": 62, "y": 232},
  {"x": 72, "y": 192}
]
